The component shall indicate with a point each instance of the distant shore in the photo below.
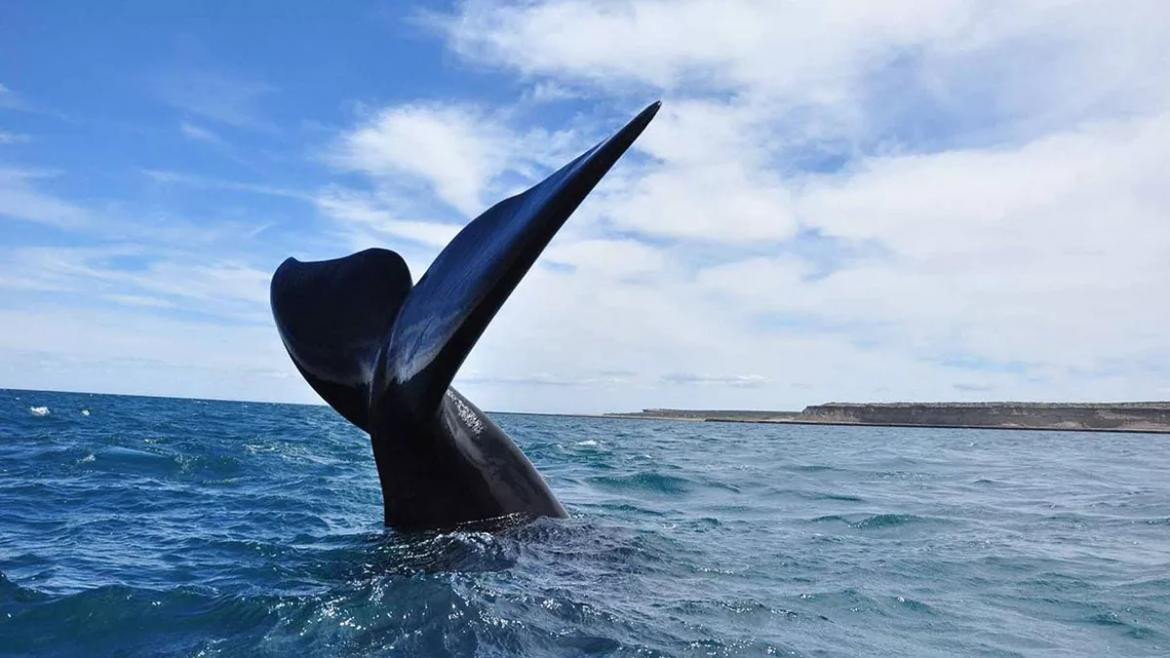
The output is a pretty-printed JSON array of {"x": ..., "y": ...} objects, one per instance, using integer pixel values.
[
  {"x": 1148, "y": 417},
  {"x": 1091, "y": 416}
]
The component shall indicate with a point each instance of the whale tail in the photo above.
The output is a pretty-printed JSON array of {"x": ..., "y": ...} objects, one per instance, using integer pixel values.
[
  {"x": 334, "y": 317},
  {"x": 365, "y": 338}
]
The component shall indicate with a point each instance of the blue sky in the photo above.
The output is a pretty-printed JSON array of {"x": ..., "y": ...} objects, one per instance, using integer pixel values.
[{"x": 951, "y": 200}]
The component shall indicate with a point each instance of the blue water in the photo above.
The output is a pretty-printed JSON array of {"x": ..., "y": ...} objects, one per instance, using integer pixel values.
[{"x": 183, "y": 527}]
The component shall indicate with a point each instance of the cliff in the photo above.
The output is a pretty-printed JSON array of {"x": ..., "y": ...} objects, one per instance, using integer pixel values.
[
  {"x": 1103, "y": 416},
  {"x": 1081, "y": 416}
]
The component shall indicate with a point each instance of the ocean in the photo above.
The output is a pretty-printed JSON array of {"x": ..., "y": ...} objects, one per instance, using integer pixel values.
[{"x": 138, "y": 526}]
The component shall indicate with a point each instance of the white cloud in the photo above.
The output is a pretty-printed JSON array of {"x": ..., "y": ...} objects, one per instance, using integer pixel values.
[
  {"x": 719, "y": 44},
  {"x": 12, "y": 138},
  {"x": 9, "y": 100},
  {"x": 707, "y": 164},
  {"x": 180, "y": 178},
  {"x": 848, "y": 200},
  {"x": 1048, "y": 252},
  {"x": 200, "y": 134},
  {"x": 460, "y": 155},
  {"x": 550, "y": 92},
  {"x": 232, "y": 101},
  {"x": 454, "y": 150},
  {"x": 21, "y": 199},
  {"x": 717, "y": 202},
  {"x": 1047, "y": 257},
  {"x": 163, "y": 279},
  {"x": 997, "y": 229},
  {"x": 693, "y": 379},
  {"x": 369, "y": 217},
  {"x": 826, "y": 55},
  {"x": 125, "y": 351},
  {"x": 613, "y": 258}
]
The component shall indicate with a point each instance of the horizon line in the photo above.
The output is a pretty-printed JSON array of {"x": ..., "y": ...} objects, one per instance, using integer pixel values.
[{"x": 322, "y": 403}]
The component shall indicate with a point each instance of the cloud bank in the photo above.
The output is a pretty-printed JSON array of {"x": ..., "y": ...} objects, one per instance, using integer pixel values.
[{"x": 951, "y": 200}]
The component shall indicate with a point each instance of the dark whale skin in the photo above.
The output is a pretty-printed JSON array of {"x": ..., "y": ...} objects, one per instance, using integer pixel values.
[
  {"x": 383, "y": 352},
  {"x": 457, "y": 467}
]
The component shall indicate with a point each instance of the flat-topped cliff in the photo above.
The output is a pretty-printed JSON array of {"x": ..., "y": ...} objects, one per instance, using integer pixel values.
[
  {"x": 1098, "y": 416},
  {"x": 711, "y": 414},
  {"x": 1079, "y": 416}
]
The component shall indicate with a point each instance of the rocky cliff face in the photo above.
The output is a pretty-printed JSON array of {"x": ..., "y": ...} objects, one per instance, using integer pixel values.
[{"x": 1114, "y": 416}]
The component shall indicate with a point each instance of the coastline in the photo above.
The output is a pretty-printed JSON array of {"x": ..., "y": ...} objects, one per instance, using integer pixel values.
[
  {"x": 1114, "y": 417},
  {"x": 1107, "y": 417}
]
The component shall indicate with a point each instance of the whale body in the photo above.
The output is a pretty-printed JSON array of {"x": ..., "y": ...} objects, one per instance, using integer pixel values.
[{"x": 383, "y": 351}]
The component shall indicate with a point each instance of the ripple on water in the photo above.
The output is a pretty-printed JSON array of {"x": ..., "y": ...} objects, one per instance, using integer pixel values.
[
  {"x": 163, "y": 527},
  {"x": 648, "y": 482},
  {"x": 877, "y": 521}
]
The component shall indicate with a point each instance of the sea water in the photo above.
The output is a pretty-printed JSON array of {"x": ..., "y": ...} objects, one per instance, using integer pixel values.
[{"x": 147, "y": 526}]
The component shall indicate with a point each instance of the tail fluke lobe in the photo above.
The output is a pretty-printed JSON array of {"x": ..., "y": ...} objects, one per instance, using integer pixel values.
[
  {"x": 383, "y": 353},
  {"x": 334, "y": 317},
  {"x": 452, "y": 304}
]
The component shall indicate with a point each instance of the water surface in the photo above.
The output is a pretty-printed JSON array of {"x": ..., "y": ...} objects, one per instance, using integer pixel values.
[{"x": 147, "y": 526}]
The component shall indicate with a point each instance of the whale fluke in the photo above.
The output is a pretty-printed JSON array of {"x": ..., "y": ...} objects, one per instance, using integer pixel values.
[
  {"x": 468, "y": 282},
  {"x": 383, "y": 353},
  {"x": 334, "y": 317}
]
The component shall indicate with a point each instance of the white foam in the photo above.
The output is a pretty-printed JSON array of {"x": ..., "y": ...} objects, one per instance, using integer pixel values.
[{"x": 39, "y": 411}]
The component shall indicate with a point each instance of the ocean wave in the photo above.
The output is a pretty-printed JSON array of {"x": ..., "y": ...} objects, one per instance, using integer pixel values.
[
  {"x": 170, "y": 527},
  {"x": 874, "y": 521},
  {"x": 646, "y": 481}
]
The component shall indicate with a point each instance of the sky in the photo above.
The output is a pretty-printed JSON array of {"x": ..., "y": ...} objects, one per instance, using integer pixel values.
[{"x": 839, "y": 201}]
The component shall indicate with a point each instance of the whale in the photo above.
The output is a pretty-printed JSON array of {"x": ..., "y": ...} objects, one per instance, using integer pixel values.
[{"x": 382, "y": 350}]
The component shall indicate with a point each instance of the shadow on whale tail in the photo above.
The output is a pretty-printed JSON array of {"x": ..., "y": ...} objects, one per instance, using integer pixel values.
[{"x": 370, "y": 343}]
